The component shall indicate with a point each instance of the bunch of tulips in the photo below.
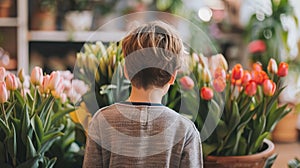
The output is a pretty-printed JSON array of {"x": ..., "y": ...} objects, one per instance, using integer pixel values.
[
  {"x": 34, "y": 115},
  {"x": 241, "y": 104}
]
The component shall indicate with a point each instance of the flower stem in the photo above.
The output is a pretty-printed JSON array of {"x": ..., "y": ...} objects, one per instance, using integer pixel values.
[
  {"x": 4, "y": 114},
  {"x": 34, "y": 101}
]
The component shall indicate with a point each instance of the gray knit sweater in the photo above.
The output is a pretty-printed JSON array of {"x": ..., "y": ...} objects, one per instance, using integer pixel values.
[{"x": 142, "y": 135}]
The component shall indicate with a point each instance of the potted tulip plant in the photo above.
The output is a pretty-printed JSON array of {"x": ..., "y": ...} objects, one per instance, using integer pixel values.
[
  {"x": 242, "y": 104},
  {"x": 34, "y": 113}
]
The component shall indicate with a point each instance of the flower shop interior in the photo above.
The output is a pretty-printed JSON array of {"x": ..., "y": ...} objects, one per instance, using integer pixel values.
[{"x": 61, "y": 60}]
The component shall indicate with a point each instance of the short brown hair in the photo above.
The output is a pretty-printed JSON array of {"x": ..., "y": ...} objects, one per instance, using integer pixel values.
[{"x": 152, "y": 54}]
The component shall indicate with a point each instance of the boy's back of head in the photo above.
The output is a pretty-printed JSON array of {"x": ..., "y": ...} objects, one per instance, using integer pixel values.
[{"x": 152, "y": 54}]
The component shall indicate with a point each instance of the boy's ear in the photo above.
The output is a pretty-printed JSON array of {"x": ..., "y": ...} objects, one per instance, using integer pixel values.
[
  {"x": 173, "y": 77},
  {"x": 125, "y": 73}
]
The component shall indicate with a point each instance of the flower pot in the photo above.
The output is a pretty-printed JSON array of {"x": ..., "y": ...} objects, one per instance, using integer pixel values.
[
  {"x": 78, "y": 20},
  {"x": 5, "y": 6},
  {"x": 248, "y": 161},
  {"x": 286, "y": 130},
  {"x": 44, "y": 20}
]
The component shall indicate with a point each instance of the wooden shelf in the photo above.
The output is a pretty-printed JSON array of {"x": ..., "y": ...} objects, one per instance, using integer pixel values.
[
  {"x": 8, "y": 22},
  {"x": 63, "y": 36}
]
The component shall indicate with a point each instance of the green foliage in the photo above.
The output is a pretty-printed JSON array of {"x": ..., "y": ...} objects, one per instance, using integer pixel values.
[
  {"x": 271, "y": 31},
  {"x": 295, "y": 163},
  {"x": 102, "y": 69}
]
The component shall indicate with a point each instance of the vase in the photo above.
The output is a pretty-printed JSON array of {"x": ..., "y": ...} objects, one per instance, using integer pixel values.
[
  {"x": 286, "y": 129},
  {"x": 257, "y": 160}
]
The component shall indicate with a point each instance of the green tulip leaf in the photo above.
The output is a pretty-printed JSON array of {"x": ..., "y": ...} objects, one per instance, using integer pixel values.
[
  {"x": 4, "y": 127},
  {"x": 208, "y": 149},
  {"x": 12, "y": 144},
  {"x": 30, "y": 149},
  {"x": 33, "y": 162},
  {"x": 58, "y": 115}
]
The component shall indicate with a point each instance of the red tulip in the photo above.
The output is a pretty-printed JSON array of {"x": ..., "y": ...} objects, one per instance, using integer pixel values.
[
  {"x": 219, "y": 84},
  {"x": 251, "y": 88},
  {"x": 272, "y": 66},
  {"x": 3, "y": 92},
  {"x": 220, "y": 72},
  {"x": 36, "y": 77},
  {"x": 206, "y": 93},
  {"x": 237, "y": 72},
  {"x": 11, "y": 82},
  {"x": 259, "y": 77},
  {"x": 187, "y": 83},
  {"x": 246, "y": 78},
  {"x": 269, "y": 87},
  {"x": 257, "y": 66},
  {"x": 236, "y": 82},
  {"x": 283, "y": 69},
  {"x": 257, "y": 46}
]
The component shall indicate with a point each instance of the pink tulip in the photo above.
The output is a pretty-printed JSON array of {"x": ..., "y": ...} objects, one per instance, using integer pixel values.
[
  {"x": 58, "y": 89},
  {"x": 36, "y": 77},
  {"x": 246, "y": 78},
  {"x": 2, "y": 73},
  {"x": 219, "y": 84},
  {"x": 3, "y": 92},
  {"x": 272, "y": 66},
  {"x": 45, "y": 85},
  {"x": 11, "y": 82},
  {"x": 63, "y": 98},
  {"x": 54, "y": 80},
  {"x": 220, "y": 72},
  {"x": 187, "y": 83},
  {"x": 269, "y": 87}
]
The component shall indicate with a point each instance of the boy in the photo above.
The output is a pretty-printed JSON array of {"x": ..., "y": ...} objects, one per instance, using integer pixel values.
[{"x": 141, "y": 132}]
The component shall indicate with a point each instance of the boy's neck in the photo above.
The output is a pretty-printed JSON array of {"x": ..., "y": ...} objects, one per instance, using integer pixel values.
[{"x": 153, "y": 95}]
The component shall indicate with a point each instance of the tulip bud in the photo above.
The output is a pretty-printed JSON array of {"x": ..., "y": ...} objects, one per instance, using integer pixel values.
[
  {"x": 257, "y": 66},
  {"x": 36, "y": 77},
  {"x": 246, "y": 78},
  {"x": 283, "y": 69},
  {"x": 251, "y": 88},
  {"x": 259, "y": 77},
  {"x": 206, "y": 75},
  {"x": 3, "y": 92},
  {"x": 272, "y": 66},
  {"x": 54, "y": 80},
  {"x": 21, "y": 75},
  {"x": 222, "y": 61},
  {"x": 269, "y": 87},
  {"x": 11, "y": 82},
  {"x": 237, "y": 72},
  {"x": 187, "y": 83},
  {"x": 206, "y": 93},
  {"x": 219, "y": 72},
  {"x": 2, "y": 73},
  {"x": 63, "y": 98},
  {"x": 219, "y": 84},
  {"x": 45, "y": 85}
]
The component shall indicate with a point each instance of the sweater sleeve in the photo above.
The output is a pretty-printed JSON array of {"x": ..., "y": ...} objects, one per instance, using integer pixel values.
[
  {"x": 192, "y": 152},
  {"x": 93, "y": 155}
]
